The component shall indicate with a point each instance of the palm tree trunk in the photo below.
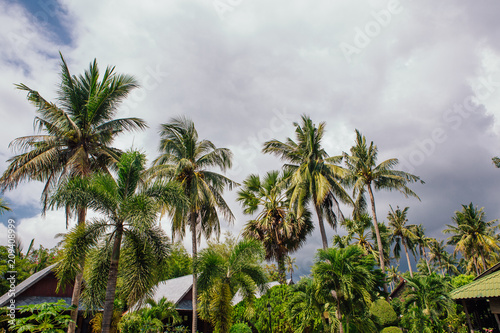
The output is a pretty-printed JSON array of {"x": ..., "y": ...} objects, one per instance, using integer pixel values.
[
  {"x": 377, "y": 233},
  {"x": 339, "y": 315},
  {"x": 194, "y": 239},
  {"x": 77, "y": 286},
  {"x": 109, "y": 299},
  {"x": 321, "y": 227},
  {"x": 281, "y": 268},
  {"x": 483, "y": 259},
  {"x": 408, "y": 258},
  {"x": 426, "y": 260}
]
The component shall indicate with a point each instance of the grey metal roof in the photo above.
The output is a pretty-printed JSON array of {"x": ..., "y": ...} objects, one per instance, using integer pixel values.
[
  {"x": 174, "y": 289},
  {"x": 21, "y": 287}
]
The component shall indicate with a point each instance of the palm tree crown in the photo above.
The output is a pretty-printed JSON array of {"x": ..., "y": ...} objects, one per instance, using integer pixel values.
[
  {"x": 472, "y": 235},
  {"x": 314, "y": 176},
  {"x": 280, "y": 231},
  {"x": 77, "y": 133},
  {"x": 401, "y": 233}
]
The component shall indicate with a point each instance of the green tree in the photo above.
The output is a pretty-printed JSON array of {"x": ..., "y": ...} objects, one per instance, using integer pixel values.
[
  {"x": 308, "y": 306},
  {"x": 437, "y": 253},
  {"x": 314, "y": 175},
  {"x": 276, "y": 226},
  {"x": 351, "y": 277},
  {"x": 365, "y": 175},
  {"x": 76, "y": 136},
  {"x": 191, "y": 161},
  {"x": 422, "y": 242},
  {"x": 179, "y": 262},
  {"x": 291, "y": 266},
  {"x": 402, "y": 233},
  {"x": 224, "y": 270},
  {"x": 126, "y": 242},
  {"x": 359, "y": 231},
  {"x": 150, "y": 319},
  {"x": 473, "y": 236},
  {"x": 426, "y": 302}
]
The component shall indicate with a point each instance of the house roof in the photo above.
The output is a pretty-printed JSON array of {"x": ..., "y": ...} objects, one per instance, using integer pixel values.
[
  {"x": 484, "y": 286},
  {"x": 21, "y": 287}
]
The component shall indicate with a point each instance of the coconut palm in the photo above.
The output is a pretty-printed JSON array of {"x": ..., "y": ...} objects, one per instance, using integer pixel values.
[
  {"x": 350, "y": 275},
  {"x": 314, "y": 176},
  {"x": 422, "y": 242},
  {"x": 76, "y": 135},
  {"x": 226, "y": 269},
  {"x": 473, "y": 236},
  {"x": 359, "y": 230},
  {"x": 125, "y": 242},
  {"x": 401, "y": 233},
  {"x": 365, "y": 175},
  {"x": 291, "y": 266},
  {"x": 276, "y": 226},
  {"x": 437, "y": 253},
  {"x": 191, "y": 161}
]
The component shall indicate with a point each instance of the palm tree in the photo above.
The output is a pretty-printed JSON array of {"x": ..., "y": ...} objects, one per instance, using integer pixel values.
[
  {"x": 276, "y": 226},
  {"x": 393, "y": 275},
  {"x": 291, "y": 266},
  {"x": 423, "y": 242},
  {"x": 76, "y": 136},
  {"x": 366, "y": 175},
  {"x": 350, "y": 275},
  {"x": 125, "y": 242},
  {"x": 309, "y": 306},
  {"x": 314, "y": 176},
  {"x": 428, "y": 294},
  {"x": 224, "y": 270},
  {"x": 358, "y": 229},
  {"x": 190, "y": 161},
  {"x": 472, "y": 235},
  {"x": 437, "y": 253},
  {"x": 401, "y": 233}
]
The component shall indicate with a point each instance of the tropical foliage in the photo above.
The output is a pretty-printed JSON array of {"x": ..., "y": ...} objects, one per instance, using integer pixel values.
[
  {"x": 279, "y": 229},
  {"x": 126, "y": 242},
  {"x": 44, "y": 317}
]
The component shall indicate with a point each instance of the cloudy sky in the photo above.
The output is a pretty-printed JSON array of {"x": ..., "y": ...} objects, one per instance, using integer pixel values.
[{"x": 419, "y": 78}]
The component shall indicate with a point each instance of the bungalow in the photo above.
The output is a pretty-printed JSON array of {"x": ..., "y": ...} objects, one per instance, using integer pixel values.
[
  {"x": 41, "y": 288},
  {"x": 481, "y": 300}
]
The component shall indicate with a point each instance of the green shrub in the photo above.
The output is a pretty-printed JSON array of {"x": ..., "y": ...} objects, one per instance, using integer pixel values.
[
  {"x": 240, "y": 328},
  {"x": 391, "y": 329},
  {"x": 382, "y": 313}
]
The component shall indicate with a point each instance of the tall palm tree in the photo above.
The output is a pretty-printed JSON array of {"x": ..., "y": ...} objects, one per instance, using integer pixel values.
[
  {"x": 350, "y": 275},
  {"x": 437, "y": 253},
  {"x": 126, "y": 242},
  {"x": 314, "y": 175},
  {"x": 291, "y": 266},
  {"x": 402, "y": 233},
  {"x": 191, "y": 161},
  {"x": 75, "y": 137},
  {"x": 226, "y": 269},
  {"x": 422, "y": 242},
  {"x": 276, "y": 226},
  {"x": 472, "y": 235},
  {"x": 365, "y": 175}
]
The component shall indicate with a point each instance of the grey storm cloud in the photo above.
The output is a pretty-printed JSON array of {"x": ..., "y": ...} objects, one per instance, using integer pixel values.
[{"x": 419, "y": 78}]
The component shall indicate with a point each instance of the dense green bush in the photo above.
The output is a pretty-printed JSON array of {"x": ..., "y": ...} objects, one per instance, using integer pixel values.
[
  {"x": 240, "y": 328},
  {"x": 391, "y": 329},
  {"x": 382, "y": 313}
]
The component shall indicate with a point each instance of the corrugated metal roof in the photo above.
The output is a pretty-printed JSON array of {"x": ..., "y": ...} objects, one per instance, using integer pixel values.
[{"x": 485, "y": 287}]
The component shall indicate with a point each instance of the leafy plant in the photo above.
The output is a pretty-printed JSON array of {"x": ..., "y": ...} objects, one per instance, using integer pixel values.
[{"x": 44, "y": 317}]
